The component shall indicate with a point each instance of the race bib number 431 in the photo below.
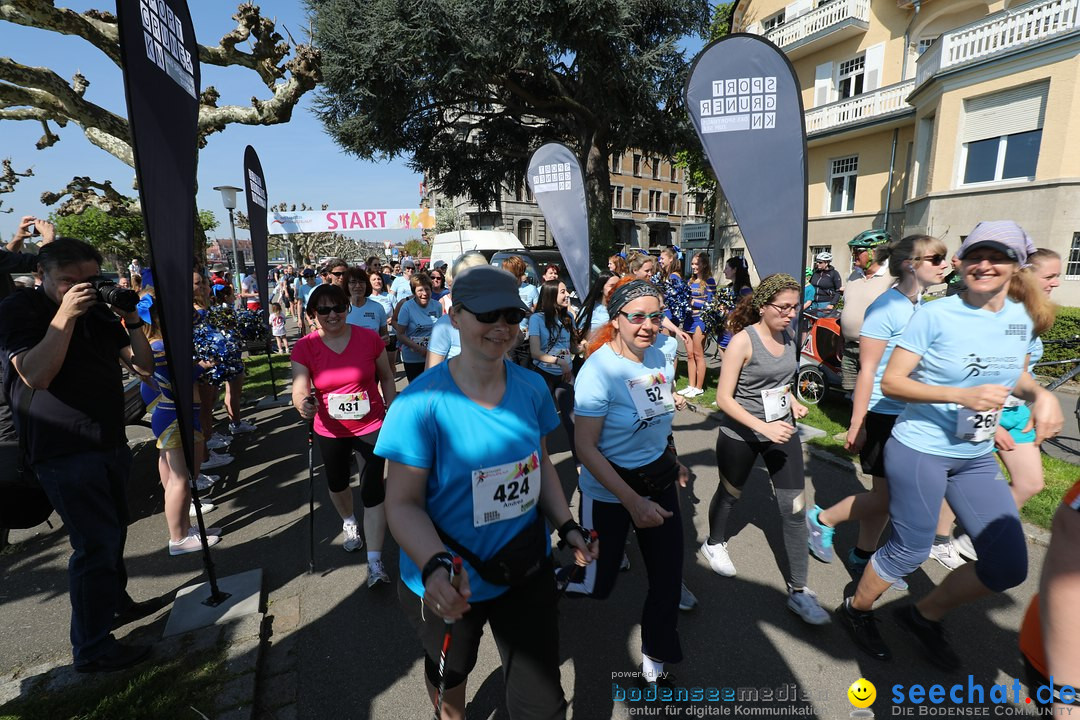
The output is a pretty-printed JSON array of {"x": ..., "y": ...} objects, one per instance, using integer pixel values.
[
  {"x": 505, "y": 492},
  {"x": 348, "y": 406}
]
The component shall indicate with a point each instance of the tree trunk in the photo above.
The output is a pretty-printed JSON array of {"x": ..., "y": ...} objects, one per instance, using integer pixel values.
[{"x": 598, "y": 202}]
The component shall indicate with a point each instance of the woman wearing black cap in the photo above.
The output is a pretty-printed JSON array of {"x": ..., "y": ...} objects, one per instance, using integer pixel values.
[{"x": 481, "y": 488}]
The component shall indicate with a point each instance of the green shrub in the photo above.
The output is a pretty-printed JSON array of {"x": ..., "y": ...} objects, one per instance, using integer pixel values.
[{"x": 1067, "y": 325}]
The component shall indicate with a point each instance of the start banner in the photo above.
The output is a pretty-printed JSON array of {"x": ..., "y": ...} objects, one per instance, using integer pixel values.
[{"x": 318, "y": 221}]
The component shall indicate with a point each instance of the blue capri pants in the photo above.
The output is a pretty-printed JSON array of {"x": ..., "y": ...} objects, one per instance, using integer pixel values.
[{"x": 982, "y": 502}]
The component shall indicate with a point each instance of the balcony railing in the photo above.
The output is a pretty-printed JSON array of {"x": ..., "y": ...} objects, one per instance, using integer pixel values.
[
  {"x": 1013, "y": 29},
  {"x": 819, "y": 20},
  {"x": 861, "y": 108}
]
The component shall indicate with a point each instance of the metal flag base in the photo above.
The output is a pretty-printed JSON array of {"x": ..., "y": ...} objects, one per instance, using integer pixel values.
[{"x": 239, "y": 595}]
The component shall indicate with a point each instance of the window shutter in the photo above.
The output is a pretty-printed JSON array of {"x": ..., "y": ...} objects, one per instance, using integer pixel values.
[
  {"x": 823, "y": 79},
  {"x": 1016, "y": 110},
  {"x": 875, "y": 59}
]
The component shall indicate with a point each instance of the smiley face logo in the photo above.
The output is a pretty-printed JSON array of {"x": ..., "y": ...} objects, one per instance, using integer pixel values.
[{"x": 862, "y": 693}]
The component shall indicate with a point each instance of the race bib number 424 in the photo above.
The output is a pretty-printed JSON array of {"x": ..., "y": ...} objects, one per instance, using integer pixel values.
[{"x": 505, "y": 492}]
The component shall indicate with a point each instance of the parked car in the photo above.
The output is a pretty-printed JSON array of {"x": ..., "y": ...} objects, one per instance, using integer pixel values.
[{"x": 537, "y": 258}]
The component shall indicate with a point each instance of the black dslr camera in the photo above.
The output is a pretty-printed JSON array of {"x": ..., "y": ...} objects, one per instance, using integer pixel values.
[{"x": 108, "y": 291}]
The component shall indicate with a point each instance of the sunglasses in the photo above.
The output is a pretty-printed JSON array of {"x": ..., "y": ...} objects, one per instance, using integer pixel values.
[
  {"x": 324, "y": 310},
  {"x": 436, "y": 277},
  {"x": 637, "y": 318},
  {"x": 935, "y": 259},
  {"x": 336, "y": 274},
  {"x": 511, "y": 315}
]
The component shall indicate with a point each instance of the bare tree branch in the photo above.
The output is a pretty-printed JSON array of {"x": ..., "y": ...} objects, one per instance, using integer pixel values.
[{"x": 9, "y": 178}]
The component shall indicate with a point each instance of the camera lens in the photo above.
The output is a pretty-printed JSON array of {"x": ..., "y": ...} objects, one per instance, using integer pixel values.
[{"x": 109, "y": 292}]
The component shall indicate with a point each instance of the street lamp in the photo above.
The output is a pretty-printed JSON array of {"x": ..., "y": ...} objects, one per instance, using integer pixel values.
[{"x": 228, "y": 199}]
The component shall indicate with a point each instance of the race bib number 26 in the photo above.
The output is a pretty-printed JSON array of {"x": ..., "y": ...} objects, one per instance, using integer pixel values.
[{"x": 976, "y": 426}]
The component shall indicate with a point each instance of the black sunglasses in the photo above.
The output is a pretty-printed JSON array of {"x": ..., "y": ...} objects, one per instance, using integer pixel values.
[
  {"x": 511, "y": 315},
  {"x": 935, "y": 259},
  {"x": 324, "y": 310},
  {"x": 336, "y": 274}
]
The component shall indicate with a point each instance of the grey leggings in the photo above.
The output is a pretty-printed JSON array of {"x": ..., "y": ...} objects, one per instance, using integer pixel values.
[{"x": 983, "y": 504}]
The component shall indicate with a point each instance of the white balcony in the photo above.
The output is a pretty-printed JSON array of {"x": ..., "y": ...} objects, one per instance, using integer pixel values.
[
  {"x": 874, "y": 105},
  {"x": 657, "y": 218},
  {"x": 1014, "y": 29},
  {"x": 621, "y": 214},
  {"x": 830, "y": 23}
]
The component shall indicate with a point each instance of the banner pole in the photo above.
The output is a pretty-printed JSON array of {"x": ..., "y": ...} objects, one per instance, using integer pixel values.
[
  {"x": 216, "y": 596},
  {"x": 270, "y": 360}
]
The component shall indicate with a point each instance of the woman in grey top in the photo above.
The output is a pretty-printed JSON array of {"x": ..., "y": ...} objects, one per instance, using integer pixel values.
[{"x": 760, "y": 410}]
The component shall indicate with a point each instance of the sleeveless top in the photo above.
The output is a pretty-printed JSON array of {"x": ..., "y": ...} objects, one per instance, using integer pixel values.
[
  {"x": 701, "y": 294},
  {"x": 763, "y": 372}
]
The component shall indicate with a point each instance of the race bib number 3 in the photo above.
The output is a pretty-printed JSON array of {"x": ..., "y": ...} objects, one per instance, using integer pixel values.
[
  {"x": 505, "y": 492},
  {"x": 777, "y": 402},
  {"x": 651, "y": 395},
  {"x": 348, "y": 406},
  {"x": 976, "y": 426}
]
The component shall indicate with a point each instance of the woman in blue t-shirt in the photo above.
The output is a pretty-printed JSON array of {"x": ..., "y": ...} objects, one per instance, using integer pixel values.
[
  {"x": 954, "y": 365},
  {"x": 553, "y": 342},
  {"x": 469, "y": 472},
  {"x": 625, "y": 406},
  {"x": 413, "y": 320},
  {"x": 363, "y": 311}
]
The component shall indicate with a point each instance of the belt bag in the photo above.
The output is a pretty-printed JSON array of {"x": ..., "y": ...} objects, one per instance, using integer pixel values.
[
  {"x": 516, "y": 562},
  {"x": 653, "y": 478}
]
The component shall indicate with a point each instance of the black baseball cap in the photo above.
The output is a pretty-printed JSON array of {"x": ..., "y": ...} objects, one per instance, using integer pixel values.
[{"x": 484, "y": 288}]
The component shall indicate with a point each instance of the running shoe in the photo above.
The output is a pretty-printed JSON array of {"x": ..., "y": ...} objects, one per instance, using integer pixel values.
[
  {"x": 217, "y": 460},
  {"x": 718, "y": 558},
  {"x": 190, "y": 544},
  {"x": 694, "y": 392},
  {"x": 945, "y": 553},
  {"x": 218, "y": 441},
  {"x": 236, "y": 428},
  {"x": 862, "y": 627},
  {"x": 931, "y": 635},
  {"x": 805, "y": 605},
  {"x": 205, "y": 482},
  {"x": 685, "y": 391},
  {"x": 687, "y": 600},
  {"x": 376, "y": 574},
  {"x": 857, "y": 565},
  {"x": 964, "y": 546},
  {"x": 820, "y": 536},
  {"x": 352, "y": 540},
  {"x": 206, "y": 506}
]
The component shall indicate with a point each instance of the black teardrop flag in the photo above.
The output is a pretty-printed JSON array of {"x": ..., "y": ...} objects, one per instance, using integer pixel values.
[
  {"x": 255, "y": 190},
  {"x": 559, "y": 187},
  {"x": 743, "y": 99}
]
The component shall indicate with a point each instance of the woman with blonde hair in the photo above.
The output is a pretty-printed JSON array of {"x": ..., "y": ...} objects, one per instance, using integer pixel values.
[{"x": 702, "y": 290}]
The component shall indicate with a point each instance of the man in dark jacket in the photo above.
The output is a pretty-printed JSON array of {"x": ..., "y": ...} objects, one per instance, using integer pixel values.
[{"x": 828, "y": 286}]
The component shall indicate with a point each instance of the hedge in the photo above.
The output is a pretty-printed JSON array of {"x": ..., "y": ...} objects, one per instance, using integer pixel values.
[{"x": 1066, "y": 326}]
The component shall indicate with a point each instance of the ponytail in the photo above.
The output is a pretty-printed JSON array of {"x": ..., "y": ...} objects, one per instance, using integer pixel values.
[
  {"x": 1022, "y": 289},
  {"x": 744, "y": 315}
]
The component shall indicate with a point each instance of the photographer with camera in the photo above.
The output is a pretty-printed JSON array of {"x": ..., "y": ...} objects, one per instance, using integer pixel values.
[{"x": 61, "y": 345}]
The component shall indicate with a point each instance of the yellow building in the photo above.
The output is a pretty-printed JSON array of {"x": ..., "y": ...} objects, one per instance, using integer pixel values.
[{"x": 931, "y": 116}]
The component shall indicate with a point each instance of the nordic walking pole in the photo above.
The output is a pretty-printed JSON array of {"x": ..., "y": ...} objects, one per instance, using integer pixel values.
[
  {"x": 455, "y": 580},
  {"x": 311, "y": 489},
  {"x": 575, "y": 573}
]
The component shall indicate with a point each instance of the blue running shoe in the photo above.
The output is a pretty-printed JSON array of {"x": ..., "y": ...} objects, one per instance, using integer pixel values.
[
  {"x": 819, "y": 536},
  {"x": 857, "y": 565}
]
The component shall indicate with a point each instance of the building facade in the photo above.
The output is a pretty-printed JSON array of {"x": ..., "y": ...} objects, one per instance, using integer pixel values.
[{"x": 928, "y": 117}]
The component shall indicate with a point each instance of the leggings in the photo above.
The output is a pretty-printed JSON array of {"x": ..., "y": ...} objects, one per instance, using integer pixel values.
[
  {"x": 563, "y": 394},
  {"x": 662, "y": 550},
  {"x": 336, "y": 453},
  {"x": 983, "y": 505},
  {"x": 735, "y": 457},
  {"x": 413, "y": 370}
]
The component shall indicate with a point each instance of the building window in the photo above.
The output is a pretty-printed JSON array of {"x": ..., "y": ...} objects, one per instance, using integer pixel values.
[
  {"x": 616, "y": 164},
  {"x": 738, "y": 252},
  {"x": 1072, "y": 267},
  {"x": 924, "y": 45},
  {"x": 673, "y": 204},
  {"x": 849, "y": 82},
  {"x": 1002, "y": 134},
  {"x": 616, "y": 197},
  {"x": 637, "y": 165},
  {"x": 656, "y": 168},
  {"x": 842, "y": 179},
  {"x": 674, "y": 173},
  {"x": 773, "y": 21},
  {"x": 635, "y": 199},
  {"x": 815, "y": 249},
  {"x": 524, "y": 232},
  {"x": 654, "y": 201}
]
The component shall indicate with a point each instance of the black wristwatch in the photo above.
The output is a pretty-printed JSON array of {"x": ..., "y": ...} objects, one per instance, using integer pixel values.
[
  {"x": 569, "y": 526},
  {"x": 134, "y": 326},
  {"x": 438, "y": 560}
]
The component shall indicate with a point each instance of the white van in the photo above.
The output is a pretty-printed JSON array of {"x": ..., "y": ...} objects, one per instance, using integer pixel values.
[{"x": 449, "y": 246}]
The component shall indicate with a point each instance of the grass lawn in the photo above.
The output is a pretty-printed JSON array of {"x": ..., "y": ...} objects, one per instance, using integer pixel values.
[
  {"x": 257, "y": 383},
  {"x": 154, "y": 690}
]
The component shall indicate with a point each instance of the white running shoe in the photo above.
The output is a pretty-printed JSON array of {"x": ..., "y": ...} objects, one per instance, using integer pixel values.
[
  {"x": 694, "y": 392},
  {"x": 217, "y": 460},
  {"x": 352, "y": 541},
  {"x": 718, "y": 558},
  {"x": 685, "y": 391},
  {"x": 962, "y": 542},
  {"x": 377, "y": 574},
  {"x": 687, "y": 599},
  {"x": 240, "y": 427},
  {"x": 805, "y": 605},
  {"x": 206, "y": 506},
  {"x": 945, "y": 553},
  {"x": 218, "y": 441},
  {"x": 192, "y": 543},
  {"x": 205, "y": 482}
]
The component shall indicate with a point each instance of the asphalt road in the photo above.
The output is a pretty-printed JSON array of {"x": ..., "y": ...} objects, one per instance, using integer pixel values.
[{"x": 354, "y": 655}]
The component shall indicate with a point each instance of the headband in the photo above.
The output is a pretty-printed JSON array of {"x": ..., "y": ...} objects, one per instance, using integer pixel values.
[
  {"x": 772, "y": 285},
  {"x": 632, "y": 290},
  {"x": 143, "y": 307}
]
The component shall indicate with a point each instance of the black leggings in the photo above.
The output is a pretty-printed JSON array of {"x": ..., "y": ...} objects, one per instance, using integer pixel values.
[
  {"x": 563, "y": 394},
  {"x": 662, "y": 549},
  {"x": 735, "y": 457},
  {"x": 413, "y": 370},
  {"x": 336, "y": 453}
]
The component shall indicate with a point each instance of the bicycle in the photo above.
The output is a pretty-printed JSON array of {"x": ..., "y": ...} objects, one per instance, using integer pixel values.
[{"x": 1053, "y": 385}]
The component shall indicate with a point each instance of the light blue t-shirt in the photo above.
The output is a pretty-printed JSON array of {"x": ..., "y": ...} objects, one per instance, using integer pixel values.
[
  {"x": 885, "y": 319},
  {"x": 433, "y": 425},
  {"x": 1035, "y": 350},
  {"x": 401, "y": 288},
  {"x": 602, "y": 390},
  {"x": 370, "y": 315},
  {"x": 529, "y": 294},
  {"x": 417, "y": 322},
  {"x": 386, "y": 301},
  {"x": 599, "y": 318},
  {"x": 305, "y": 292},
  {"x": 959, "y": 346},
  {"x": 667, "y": 345},
  {"x": 445, "y": 338},
  {"x": 549, "y": 344}
]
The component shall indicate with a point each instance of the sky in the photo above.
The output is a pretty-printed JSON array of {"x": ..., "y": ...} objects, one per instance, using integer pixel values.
[{"x": 300, "y": 161}]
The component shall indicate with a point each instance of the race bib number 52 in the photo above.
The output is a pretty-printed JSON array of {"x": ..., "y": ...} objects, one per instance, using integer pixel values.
[
  {"x": 651, "y": 395},
  {"x": 505, "y": 492}
]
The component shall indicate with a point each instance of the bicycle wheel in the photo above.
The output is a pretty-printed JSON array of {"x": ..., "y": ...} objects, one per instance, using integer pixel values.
[{"x": 811, "y": 385}]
